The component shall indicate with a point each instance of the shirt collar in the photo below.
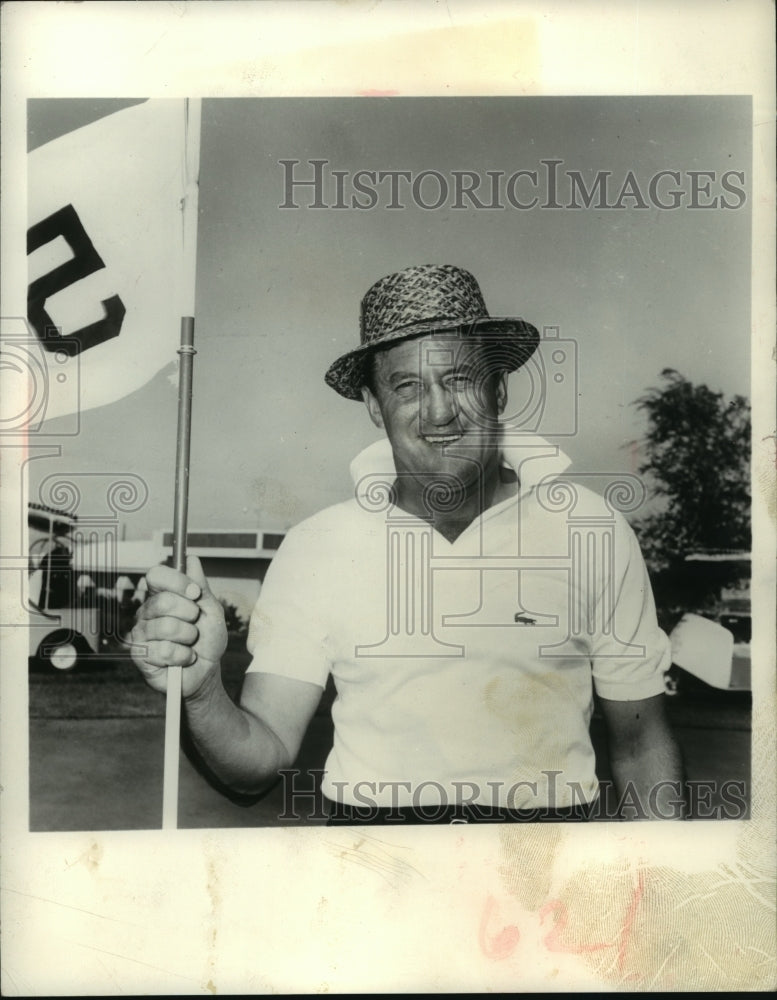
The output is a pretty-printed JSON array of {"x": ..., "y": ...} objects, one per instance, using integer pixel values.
[{"x": 530, "y": 456}]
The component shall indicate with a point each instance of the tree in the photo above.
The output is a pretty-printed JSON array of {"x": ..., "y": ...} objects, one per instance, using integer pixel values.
[
  {"x": 697, "y": 465},
  {"x": 232, "y": 617}
]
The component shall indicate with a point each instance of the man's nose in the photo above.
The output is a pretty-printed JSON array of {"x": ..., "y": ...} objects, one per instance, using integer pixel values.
[{"x": 439, "y": 407}]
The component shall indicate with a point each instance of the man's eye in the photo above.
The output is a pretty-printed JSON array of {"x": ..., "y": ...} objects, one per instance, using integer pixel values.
[
  {"x": 459, "y": 381},
  {"x": 407, "y": 388}
]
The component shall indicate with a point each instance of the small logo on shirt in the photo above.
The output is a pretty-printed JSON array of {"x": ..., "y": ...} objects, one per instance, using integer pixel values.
[{"x": 521, "y": 619}]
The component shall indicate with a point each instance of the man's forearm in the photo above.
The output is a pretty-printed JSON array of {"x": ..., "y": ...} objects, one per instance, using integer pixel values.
[
  {"x": 242, "y": 751},
  {"x": 649, "y": 782}
]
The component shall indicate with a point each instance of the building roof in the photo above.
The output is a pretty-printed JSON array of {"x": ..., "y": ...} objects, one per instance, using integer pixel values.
[
  {"x": 718, "y": 555},
  {"x": 111, "y": 556}
]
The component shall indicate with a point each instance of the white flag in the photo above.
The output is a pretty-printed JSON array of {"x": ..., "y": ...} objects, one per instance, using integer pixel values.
[{"x": 111, "y": 249}]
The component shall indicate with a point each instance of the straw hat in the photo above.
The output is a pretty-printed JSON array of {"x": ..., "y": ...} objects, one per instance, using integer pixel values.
[{"x": 429, "y": 298}]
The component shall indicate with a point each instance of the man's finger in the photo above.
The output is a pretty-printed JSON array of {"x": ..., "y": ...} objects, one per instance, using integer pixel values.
[
  {"x": 168, "y": 604},
  {"x": 164, "y": 653},
  {"x": 165, "y": 578},
  {"x": 194, "y": 570},
  {"x": 173, "y": 629}
]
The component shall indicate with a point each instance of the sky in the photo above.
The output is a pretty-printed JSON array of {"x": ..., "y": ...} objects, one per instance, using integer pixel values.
[{"x": 630, "y": 290}]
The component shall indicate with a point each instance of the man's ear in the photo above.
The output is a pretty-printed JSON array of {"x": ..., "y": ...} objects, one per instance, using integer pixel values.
[{"x": 373, "y": 407}]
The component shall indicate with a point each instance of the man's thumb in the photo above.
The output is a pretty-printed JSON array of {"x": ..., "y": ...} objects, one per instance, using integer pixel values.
[{"x": 194, "y": 572}]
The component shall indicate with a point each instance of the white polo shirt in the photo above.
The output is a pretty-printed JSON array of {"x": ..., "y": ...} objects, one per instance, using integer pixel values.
[{"x": 464, "y": 670}]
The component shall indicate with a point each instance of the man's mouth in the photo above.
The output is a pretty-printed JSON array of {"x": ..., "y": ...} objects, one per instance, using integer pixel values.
[{"x": 442, "y": 439}]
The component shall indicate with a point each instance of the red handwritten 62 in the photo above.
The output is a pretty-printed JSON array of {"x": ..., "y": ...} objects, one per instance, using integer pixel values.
[
  {"x": 497, "y": 945},
  {"x": 500, "y": 944}
]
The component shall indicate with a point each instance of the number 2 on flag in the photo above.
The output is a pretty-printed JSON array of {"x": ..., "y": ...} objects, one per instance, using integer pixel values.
[{"x": 85, "y": 261}]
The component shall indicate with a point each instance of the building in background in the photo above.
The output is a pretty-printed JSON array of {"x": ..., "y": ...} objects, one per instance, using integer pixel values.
[
  {"x": 235, "y": 561},
  {"x": 84, "y": 590}
]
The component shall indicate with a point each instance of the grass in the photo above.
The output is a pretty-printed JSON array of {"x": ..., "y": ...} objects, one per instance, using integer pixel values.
[{"x": 112, "y": 688}]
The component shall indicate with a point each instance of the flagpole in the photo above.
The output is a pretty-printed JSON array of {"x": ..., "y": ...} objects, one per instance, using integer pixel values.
[
  {"x": 175, "y": 673},
  {"x": 186, "y": 352}
]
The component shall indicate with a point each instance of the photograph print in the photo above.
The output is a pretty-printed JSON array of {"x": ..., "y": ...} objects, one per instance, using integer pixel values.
[{"x": 456, "y": 527}]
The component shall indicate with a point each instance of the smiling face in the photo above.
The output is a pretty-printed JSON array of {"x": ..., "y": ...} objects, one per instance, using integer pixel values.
[{"x": 438, "y": 400}]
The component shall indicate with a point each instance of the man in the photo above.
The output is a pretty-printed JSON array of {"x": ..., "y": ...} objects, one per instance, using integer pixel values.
[{"x": 465, "y": 616}]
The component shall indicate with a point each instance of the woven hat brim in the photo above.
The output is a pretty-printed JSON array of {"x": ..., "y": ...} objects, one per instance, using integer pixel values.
[{"x": 514, "y": 339}]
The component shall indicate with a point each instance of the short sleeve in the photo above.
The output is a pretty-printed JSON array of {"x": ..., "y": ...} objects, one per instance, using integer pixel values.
[
  {"x": 286, "y": 634},
  {"x": 630, "y": 653}
]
